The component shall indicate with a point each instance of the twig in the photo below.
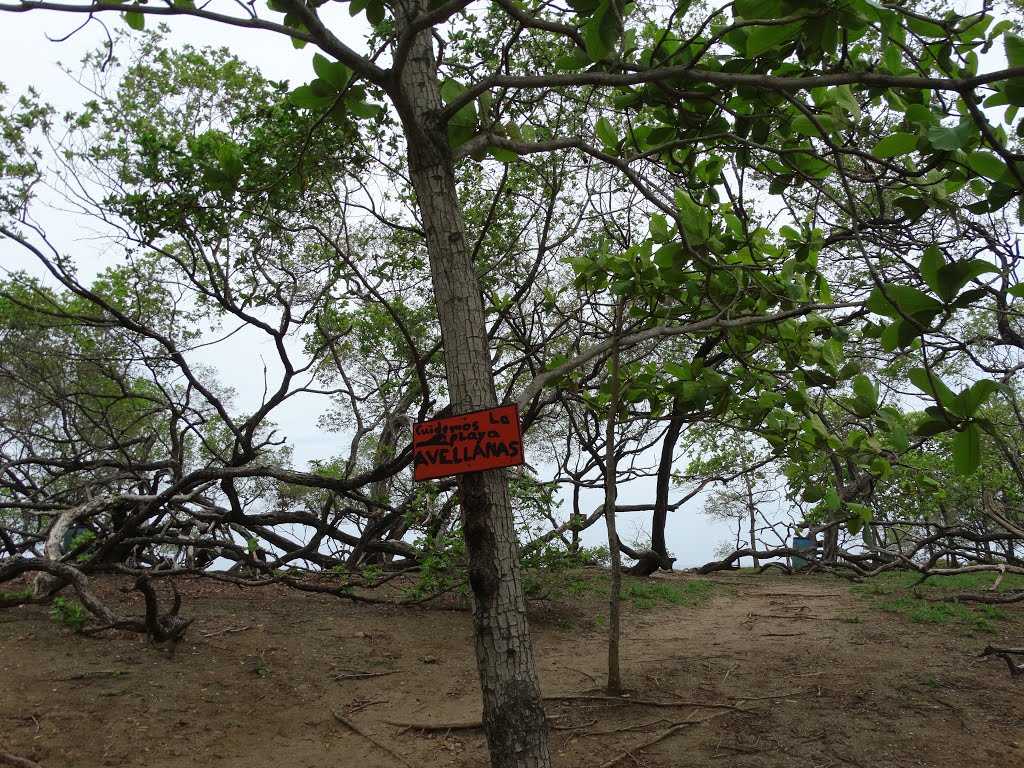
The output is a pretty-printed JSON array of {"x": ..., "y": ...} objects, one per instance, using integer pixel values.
[
  {"x": 784, "y": 634},
  {"x": 585, "y": 674},
  {"x": 363, "y": 705},
  {"x": 355, "y": 729},
  {"x": 784, "y": 695},
  {"x": 574, "y": 728},
  {"x": 359, "y": 675},
  {"x": 623, "y": 729},
  {"x": 733, "y": 667},
  {"x": 636, "y": 702},
  {"x": 228, "y": 631},
  {"x": 671, "y": 731},
  {"x": 93, "y": 675},
  {"x": 463, "y": 725}
]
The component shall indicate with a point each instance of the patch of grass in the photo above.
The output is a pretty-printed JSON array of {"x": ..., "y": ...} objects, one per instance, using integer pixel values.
[
  {"x": 642, "y": 593},
  {"x": 647, "y": 594},
  {"x": 886, "y": 583},
  {"x": 921, "y": 611},
  {"x": 934, "y": 602},
  {"x": 15, "y": 597}
]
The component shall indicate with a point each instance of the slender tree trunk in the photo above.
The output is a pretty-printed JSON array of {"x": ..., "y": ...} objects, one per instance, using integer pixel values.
[
  {"x": 661, "y": 491},
  {"x": 610, "y": 493},
  {"x": 752, "y": 510},
  {"x": 513, "y": 713}
]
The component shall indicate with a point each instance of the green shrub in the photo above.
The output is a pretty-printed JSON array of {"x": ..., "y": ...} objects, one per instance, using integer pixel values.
[{"x": 68, "y": 613}]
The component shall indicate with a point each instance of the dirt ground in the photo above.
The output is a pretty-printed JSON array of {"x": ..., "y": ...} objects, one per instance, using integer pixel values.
[{"x": 774, "y": 670}]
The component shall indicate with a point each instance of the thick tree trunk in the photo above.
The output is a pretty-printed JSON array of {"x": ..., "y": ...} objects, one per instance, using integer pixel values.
[{"x": 513, "y": 713}]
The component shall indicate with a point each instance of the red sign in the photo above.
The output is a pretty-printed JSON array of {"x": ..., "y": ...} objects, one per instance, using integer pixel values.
[{"x": 467, "y": 443}]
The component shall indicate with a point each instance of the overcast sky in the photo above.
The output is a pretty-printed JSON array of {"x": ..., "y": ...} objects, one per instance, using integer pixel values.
[{"x": 28, "y": 57}]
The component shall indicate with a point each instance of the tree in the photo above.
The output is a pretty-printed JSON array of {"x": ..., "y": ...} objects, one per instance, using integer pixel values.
[{"x": 698, "y": 111}]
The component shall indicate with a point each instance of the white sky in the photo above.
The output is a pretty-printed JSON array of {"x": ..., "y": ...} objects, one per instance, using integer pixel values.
[{"x": 28, "y": 57}]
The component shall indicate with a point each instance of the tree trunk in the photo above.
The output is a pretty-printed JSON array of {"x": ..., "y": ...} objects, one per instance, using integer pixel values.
[
  {"x": 661, "y": 492},
  {"x": 614, "y": 686},
  {"x": 513, "y": 713},
  {"x": 752, "y": 510}
]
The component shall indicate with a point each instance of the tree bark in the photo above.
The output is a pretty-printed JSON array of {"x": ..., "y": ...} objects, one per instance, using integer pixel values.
[
  {"x": 614, "y": 686},
  {"x": 752, "y": 511},
  {"x": 661, "y": 492},
  {"x": 513, "y": 712}
]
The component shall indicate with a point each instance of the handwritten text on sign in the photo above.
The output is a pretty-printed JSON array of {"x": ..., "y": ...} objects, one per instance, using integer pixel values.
[{"x": 467, "y": 443}]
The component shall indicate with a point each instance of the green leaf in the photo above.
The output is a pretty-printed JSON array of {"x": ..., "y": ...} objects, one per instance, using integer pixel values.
[
  {"x": 931, "y": 427},
  {"x": 680, "y": 371},
  {"x": 949, "y": 139},
  {"x": 659, "y": 228},
  {"x": 952, "y": 277},
  {"x": 620, "y": 287},
  {"x": 665, "y": 257},
  {"x": 763, "y": 39},
  {"x": 972, "y": 398},
  {"x": 606, "y": 133},
  {"x": 461, "y": 125},
  {"x": 832, "y": 499},
  {"x": 832, "y": 353},
  {"x": 780, "y": 184},
  {"x": 803, "y": 125},
  {"x": 1014, "y": 46},
  {"x": 895, "y": 144},
  {"x": 986, "y": 164},
  {"x": 693, "y": 217},
  {"x": 865, "y": 396},
  {"x": 967, "y": 450},
  {"x": 931, "y": 262},
  {"x": 375, "y": 12},
  {"x": 363, "y": 109},
  {"x": 502, "y": 155},
  {"x": 135, "y": 20},
  {"x": 1012, "y": 93},
  {"x": 910, "y": 300},
  {"x": 913, "y": 207},
  {"x": 934, "y": 386},
  {"x": 900, "y": 441},
  {"x": 601, "y": 32},
  {"x": 760, "y": 9},
  {"x": 333, "y": 72},
  {"x": 305, "y": 97}
]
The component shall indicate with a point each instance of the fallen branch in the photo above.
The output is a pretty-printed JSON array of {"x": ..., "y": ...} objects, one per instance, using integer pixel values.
[
  {"x": 1002, "y": 598},
  {"x": 356, "y": 730}
]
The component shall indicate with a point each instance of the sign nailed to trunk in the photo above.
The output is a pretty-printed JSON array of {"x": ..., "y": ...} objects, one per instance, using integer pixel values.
[{"x": 468, "y": 443}]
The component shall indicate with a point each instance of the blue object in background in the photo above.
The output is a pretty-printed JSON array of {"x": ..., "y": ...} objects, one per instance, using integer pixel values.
[{"x": 800, "y": 542}]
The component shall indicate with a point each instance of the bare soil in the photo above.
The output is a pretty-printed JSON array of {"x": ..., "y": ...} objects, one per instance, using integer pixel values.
[{"x": 774, "y": 671}]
